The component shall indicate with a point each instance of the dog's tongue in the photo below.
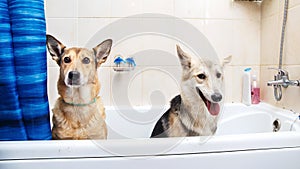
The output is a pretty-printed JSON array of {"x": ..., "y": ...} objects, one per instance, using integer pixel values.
[{"x": 213, "y": 108}]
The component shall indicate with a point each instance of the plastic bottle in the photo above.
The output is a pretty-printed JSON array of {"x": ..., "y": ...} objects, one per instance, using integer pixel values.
[
  {"x": 246, "y": 95},
  {"x": 255, "y": 90}
]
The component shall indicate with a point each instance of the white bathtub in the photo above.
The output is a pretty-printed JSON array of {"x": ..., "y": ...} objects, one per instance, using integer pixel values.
[{"x": 244, "y": 139}]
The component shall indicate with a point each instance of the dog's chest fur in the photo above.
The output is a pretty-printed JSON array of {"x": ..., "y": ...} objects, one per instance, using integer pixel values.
[
  {"x": 181, "y": 120},
  {"x": 78, "y": 122}
]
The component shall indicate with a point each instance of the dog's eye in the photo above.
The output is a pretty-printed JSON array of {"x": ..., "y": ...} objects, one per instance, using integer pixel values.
[
  {"x": 67, "y": 59},
  {"x": 218, "y": 75},
  {"x": 201, "y": 76},
  {"x": 86, "y": 60}
]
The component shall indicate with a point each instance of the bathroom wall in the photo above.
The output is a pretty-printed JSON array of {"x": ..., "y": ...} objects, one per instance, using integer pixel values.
[
  {"x": 232, "y": 28},
  {"x": 271, "y": 23}
]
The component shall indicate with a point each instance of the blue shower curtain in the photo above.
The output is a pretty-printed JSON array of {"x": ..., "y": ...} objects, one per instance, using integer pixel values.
[
  {"x": 24, "y": 108},
  {"x": 11, "y": 119}
]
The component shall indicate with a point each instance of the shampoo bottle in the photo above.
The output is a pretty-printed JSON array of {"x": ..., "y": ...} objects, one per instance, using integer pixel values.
[
  {"x": 246, "y": 93},
  {"x": 255, "y": 90}
]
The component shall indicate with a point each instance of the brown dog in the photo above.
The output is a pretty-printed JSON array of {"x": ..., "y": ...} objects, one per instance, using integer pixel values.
[{"x": 79, "y": 112}]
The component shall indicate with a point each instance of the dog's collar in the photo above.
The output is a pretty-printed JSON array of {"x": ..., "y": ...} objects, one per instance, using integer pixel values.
[{"x": 80, "y": 104}]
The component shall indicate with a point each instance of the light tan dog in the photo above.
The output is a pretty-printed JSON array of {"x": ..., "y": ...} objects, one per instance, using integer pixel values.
[
  {"x": 196, "y": 110},
  {"x": 79, "y": 112}
]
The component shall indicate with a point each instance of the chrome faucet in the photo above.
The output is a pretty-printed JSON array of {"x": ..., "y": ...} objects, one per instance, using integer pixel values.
[{"x": 281, "y": 79}]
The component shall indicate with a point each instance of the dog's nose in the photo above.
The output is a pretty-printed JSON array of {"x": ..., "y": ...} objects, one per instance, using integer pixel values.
[
  {"x": 74, "y": 75},
  {"x": 216, "y": 97}
]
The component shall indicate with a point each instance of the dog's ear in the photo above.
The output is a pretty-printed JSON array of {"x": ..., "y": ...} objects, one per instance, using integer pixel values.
[
  {"x": 55, "y": 48},
  {"x": 102, "y": 51},
  {"x": 184, "y": 58},
  {"x": 226, "y": 60}
]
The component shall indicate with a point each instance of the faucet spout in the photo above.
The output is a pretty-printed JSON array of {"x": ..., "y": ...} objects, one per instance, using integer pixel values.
[{"x": 275, "y": 82}]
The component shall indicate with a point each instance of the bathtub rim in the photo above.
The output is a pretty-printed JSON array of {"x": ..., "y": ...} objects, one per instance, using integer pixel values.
[{"x": 22, "y": 150}]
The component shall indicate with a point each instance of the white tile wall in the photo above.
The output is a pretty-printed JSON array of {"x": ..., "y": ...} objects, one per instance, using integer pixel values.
[
  {"x": 220, "y": 34},
  {"x": 104, "y": 74},
  {"x": 65, "y": 29},
  {"x": 246, "y": 42},
  {"x": 246, "y": 10},
  {"x": 292, "y": 49},
  {"x": 88, "y": 27},
  {"x": 126, "y": 88},
  {"x": 269, "y": 8},
  {"x": 189, "y": 9},
  {"x": 121, "y": 8},
  {"x": 294, "y": 3},
  {"x": 61, "y": 9},
  {"x": 53, "y": 74},
  {"x": 219, "y": 9},
  {"x": 94, "y": 8},
  {"x": 155, "y": 82},
  {"x": 233, "y": 28},
  {"x": 270, "y": 43},
  {"x": 158, "y": 6}
]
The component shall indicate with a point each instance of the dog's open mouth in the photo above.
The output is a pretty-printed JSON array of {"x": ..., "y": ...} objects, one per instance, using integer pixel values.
[{"x": 213, "y": 108}]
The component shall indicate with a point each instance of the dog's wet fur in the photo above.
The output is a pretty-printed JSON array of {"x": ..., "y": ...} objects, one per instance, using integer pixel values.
[
  {"x": 196, "y": 110},
  {"x": 78, "y": 112}
]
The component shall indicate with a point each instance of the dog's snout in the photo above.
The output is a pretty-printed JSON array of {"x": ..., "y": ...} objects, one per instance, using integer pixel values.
[
  {"x": 74, "y": 75},
  {"x": 216, "y": 97}
]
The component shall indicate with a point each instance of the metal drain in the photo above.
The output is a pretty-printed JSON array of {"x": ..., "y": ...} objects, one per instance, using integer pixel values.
[{"x": 276, "y": 125}]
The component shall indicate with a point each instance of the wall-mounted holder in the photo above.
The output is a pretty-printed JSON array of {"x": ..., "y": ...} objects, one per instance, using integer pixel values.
[{"x": 124, "y": 65}]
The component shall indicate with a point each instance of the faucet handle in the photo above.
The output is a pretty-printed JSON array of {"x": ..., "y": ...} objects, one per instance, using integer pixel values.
[{"x": 281, "y": 72}]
